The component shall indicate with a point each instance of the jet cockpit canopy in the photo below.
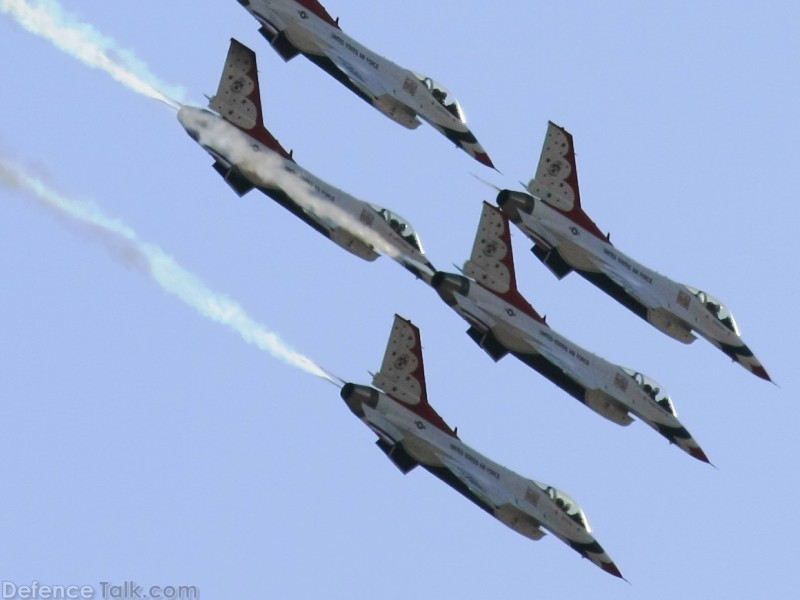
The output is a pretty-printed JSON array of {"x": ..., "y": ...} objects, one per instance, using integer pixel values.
[
  {"x": 402, "y": 227},
  {"x": 716, "y": 308},
  {"x": 653, "y": 389},
  {"x": 567, "y": 504},
  {"x": 443, "y": 97}
]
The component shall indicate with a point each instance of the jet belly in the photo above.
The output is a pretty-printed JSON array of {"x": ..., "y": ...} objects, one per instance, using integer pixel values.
[
  {"x": 589, "y": 378},
  {"x": 519, "y": 503},
  {"x": 399, "y": 425},
  {"x": 510, "y": 326},
  {"x": 296, "y": 188},
  {"x": 512, "y": 499},
  {"x": 645, "y": 292},
  {"x": 395, "y": 90},
  {"x": 302, "y": 27}
]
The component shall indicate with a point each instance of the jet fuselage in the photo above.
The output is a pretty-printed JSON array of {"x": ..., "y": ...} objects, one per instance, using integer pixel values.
[
  {"x": 359, "y": 227},
  {"x": 608, "y": 389},
  {"x": 528, "y": 506},
  {"x": 673, "y": 308},
  {"x": 400, "y": 94}
]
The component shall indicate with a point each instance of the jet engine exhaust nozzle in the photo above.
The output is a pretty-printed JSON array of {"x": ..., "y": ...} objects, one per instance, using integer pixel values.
[
  {"x": 514, "y": 203},
  {"x": 447, "y": 285},
  {"x": 356, "y": 395}
]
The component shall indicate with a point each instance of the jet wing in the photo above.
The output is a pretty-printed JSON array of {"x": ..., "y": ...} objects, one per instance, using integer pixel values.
[
  {"x": 488, "y": 494},
  {"x": 553, "y": 357},
  {"x": 362, "y": 79},
  {"x": 634, "y": 286}
]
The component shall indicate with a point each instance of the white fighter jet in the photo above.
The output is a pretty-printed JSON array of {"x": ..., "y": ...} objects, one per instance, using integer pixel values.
[
  {"x": 566, "y": 239},
  {"x": 410, "y": 432},
  {"x": 247, "y": 156},
  {"x": 295, "y": 27},
  {"x": 502, "y": 322}
]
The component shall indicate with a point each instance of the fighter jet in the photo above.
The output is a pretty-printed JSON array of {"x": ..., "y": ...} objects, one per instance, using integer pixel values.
[
  {"x": 410, "y": 432},
  {"x": 305, "y": 27},
  {"x": 247, "y": 156},
  {"x": 566, "y": 239},
  {"x": 502, "y": 322}
]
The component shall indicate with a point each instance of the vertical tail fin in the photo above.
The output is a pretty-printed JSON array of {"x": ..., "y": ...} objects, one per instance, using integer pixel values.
[
  {"x": 238, "y": 98},
  {"x": 402, "y": 373},
  {"x": 492, "y": 261},
  {"x": 556, "y": 179}
]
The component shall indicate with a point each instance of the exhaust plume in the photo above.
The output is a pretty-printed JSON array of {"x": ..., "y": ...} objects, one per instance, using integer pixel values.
[
  {"x": 234, "y": 145},
  {"x": 48, "y": 20},
  {"x": 122, "y": 242}
]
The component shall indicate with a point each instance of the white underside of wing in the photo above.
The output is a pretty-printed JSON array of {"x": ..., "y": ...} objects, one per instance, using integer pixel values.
[
  {"x": 367, "y": 82},
  {"x": 491, "y": 495},
  {"x": 631, "y": 284}
]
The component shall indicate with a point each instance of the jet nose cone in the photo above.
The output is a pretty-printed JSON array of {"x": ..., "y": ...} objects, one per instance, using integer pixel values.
[
  {"x": 484, "y": 159},
  {"x": 697, "y": 452},
  {"x": 463, "y": 138},
  {"x": 476, "y": 151},
  {"x": 760, "y": 371},
  {"x": 610, "y": 567}
]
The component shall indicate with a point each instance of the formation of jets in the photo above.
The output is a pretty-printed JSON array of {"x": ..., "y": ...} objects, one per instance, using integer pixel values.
[{"x": 501, "y": 321}]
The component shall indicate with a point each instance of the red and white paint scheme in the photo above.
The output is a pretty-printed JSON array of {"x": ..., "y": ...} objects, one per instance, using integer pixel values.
[
  {"x": 502, "y": 322},
  {"x": 411, "y": 433},
  {"x": 566, "y": 239},
  {"x": 247, "y": 156},
  {"x": 304, "y": 27}
]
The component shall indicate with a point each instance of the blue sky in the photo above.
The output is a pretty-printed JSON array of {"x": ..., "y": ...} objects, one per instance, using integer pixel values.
[{"x": 142, "y": 441}]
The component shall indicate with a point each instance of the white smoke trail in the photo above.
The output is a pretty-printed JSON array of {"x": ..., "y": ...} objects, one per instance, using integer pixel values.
[
  {"x": 232, "y": 143},
  {"x": 48, "y": 20},
  {"x": 124, "y": 244}
]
